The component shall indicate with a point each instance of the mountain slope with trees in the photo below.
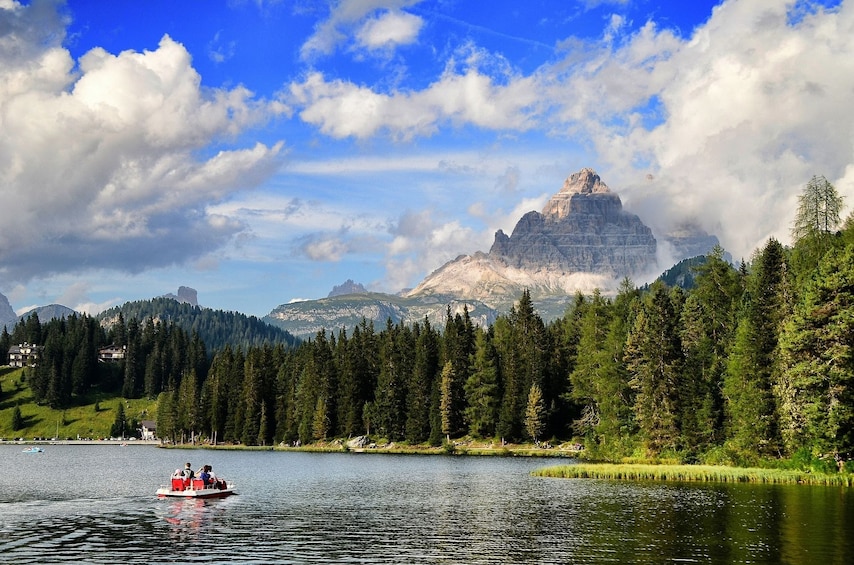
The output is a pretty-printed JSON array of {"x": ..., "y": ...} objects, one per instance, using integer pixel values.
[{"x": 216, "y": 328}]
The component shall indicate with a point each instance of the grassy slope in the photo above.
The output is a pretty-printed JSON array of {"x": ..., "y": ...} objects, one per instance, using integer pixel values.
[
  {"x": 700, "y": 473},
  {"x": 82, "y": 420}
]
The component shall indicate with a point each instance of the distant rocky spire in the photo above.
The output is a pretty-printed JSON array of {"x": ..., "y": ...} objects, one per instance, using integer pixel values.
[
  {"x": 584, "y": 182},
  {"x": 185, "y": 295},
  {"x": 347, "y": 287}
]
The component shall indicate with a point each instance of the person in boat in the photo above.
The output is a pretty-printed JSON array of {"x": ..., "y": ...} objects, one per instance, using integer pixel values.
[
  {"x": 186, "y": 473},
  {"x": 204, "y": 475},
  {"x": 213, "y": 480}
]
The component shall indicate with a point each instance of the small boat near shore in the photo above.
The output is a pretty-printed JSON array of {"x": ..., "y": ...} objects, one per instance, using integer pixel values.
[
  {"x": 196, "y": 488},
  {"x": 33, "y": 449}
]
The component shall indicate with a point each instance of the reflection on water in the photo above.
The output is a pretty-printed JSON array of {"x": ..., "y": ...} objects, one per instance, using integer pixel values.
[{"x": 97, "y": 505}]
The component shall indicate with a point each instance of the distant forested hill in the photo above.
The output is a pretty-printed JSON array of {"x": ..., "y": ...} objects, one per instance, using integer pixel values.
[{"x": 216, "y": 328}]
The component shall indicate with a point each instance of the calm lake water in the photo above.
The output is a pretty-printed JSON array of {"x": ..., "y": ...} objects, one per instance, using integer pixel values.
[{"x": 96, "y": 504}]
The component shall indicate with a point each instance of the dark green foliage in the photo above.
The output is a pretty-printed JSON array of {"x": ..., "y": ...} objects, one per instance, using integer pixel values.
[
  {"x": 654, "y": 357},
  {"x": 120, "y": 424},
  {"x": 482, "y": 389},
  {"x": 424, "y": 375},
  {"x": 17, "y": 419},
  {"x": 750, "y": 403},
  {"x": 215, "y": 328},
  {"x": 708, "y": 329},
  {"x": 816, "y": 385},
  {"x": 683, "y": 274}
]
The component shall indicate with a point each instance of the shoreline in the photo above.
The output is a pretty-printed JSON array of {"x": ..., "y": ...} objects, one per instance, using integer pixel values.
[
  {"x": 125, "y": 442},
  {"x": 634, "y": 472},
  {"x": 459, "y": 449}
]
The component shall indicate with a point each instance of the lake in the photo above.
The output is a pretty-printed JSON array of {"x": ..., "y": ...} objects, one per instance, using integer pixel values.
[{"x": 96, "y": 504}]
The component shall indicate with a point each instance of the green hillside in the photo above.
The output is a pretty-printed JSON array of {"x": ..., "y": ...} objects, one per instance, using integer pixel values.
[{"x": 92, "y": 418}]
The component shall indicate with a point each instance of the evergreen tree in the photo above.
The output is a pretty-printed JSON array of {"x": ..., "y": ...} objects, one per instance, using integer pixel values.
[
  {"x": 287, "y": 380},
  {"x": 33, "y": 330},
  {"x": 5, "y": 345},
  {"x": 509, "y": 424},
  {"x": 654, "y": 358},
  {"x": 120, "y": 424},
  {"x": 187, "y": 406},
  {"x": 482, "y": 389},
  {"x": 458, "y": 342},
  {"x": 592, "y": 370},
  {"x": 708, "y": 330},
  {"x": 749, "y": 401},
  {"x": 450, "y": 422},
  {"x": 522, "y": 348},
  {"x": 253, "y": 396},
  {"x": 421, "y": 384},
  {"x": 535, "y": 413},
  {"x": 818, "y": 215},
  {"x": 17, "y": 419},
  {"x": 816, "y": 387},
  {"x": 134, "y": 362},
  {"x": 391, "y": 392}
]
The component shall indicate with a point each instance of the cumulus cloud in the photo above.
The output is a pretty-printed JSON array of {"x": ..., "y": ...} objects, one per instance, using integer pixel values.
[
  {"x": 102, "y": 164},
  {"x": 389, "y": 30},
  {"x": 392, "y": 26},
  {"x": 460, "y": 97},
  {"x": 420, "y": 239}
]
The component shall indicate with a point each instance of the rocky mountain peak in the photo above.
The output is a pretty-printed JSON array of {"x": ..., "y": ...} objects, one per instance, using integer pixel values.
[
  {"x": 7, "y": 314},
  {"x": 185, "y": 295},
  {"x": 575, "y": 193},
  {"x": 347, "y": 287},
  {"x": 584, "y": 181},
  {"x": 583, "y": 228}
]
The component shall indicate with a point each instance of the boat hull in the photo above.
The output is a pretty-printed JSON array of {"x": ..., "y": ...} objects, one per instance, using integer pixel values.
[
  {"x": 164, "y": 492},
  {"x": 195, "y": 489}
]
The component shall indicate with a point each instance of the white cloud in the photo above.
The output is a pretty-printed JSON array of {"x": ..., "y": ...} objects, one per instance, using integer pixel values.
[
  {"x": 389, "y": 30},
  {"x": 103, "y": 166},
  {"x": 344, "y": 16},
  {"x": 342, "y": 109},
  {"x": 220, "y": 51}
]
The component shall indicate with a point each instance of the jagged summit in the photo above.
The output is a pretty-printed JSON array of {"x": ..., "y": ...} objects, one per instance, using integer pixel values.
[
  {"x": 584, "y": 182},
  {"x": 582, "y": 228},
  {"x": 347, "y": 287},
  {"x": 185, "y": 295}
]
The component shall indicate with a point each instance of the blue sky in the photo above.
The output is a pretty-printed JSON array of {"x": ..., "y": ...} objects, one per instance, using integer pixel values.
[{"x": 263, "y": 151}]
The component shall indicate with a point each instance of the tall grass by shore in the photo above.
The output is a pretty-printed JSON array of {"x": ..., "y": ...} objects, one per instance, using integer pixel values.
[{"x": 694, "y": 473}]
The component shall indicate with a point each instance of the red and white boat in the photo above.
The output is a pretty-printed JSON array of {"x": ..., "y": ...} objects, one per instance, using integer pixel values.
[{"x": 196, "y": 488}]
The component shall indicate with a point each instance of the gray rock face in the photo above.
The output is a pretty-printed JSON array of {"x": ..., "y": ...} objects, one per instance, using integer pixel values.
[
  {"x": 185, "y": 295},
  {"x": 347, "y": 287},
  {"x": 189, "y": 295},
  {"x": 583, "y": 228},
  {"x": 7, "y": 314}
]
